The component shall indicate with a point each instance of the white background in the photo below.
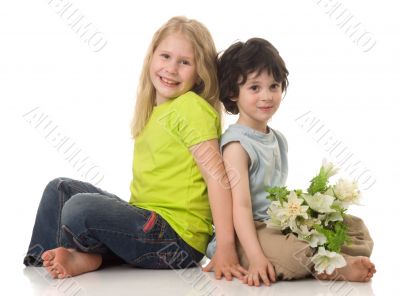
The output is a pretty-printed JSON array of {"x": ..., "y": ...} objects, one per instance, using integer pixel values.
[{"x": 89, "y": 97}]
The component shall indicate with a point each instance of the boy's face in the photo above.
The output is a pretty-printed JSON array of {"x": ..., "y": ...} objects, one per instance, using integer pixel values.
[
  {"x": 173, "y": 67},
  {"x": 259, "y": 98}
]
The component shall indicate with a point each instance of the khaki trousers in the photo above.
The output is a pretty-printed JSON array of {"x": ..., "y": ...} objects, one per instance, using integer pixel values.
[{"x": 291, "y": 256}]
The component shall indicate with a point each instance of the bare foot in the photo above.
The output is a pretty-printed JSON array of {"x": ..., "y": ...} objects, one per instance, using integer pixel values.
[
  {"x": 62, "y": 262},
  {"x": 357, "y": 269}
]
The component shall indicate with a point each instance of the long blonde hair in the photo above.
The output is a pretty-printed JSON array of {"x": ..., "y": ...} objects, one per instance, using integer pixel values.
[{"x": 205, "y": 56}]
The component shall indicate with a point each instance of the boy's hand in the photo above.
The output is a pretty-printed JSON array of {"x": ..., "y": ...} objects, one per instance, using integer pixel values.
[
  {"x": 260, "y": 269},
  {"x": 225, "y": 263}
]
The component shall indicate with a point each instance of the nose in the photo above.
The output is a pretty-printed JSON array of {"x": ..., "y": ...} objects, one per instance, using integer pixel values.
[
  {"x": 172, "y": 67},
  {"x": 266, "y": 95}
]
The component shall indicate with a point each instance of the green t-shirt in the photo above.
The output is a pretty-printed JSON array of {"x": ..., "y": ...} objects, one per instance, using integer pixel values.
[{"x": 166, "y": 178}]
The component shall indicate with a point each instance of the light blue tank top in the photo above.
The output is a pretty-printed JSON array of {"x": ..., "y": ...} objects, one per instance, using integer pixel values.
[{"x": 268, "y": 166}]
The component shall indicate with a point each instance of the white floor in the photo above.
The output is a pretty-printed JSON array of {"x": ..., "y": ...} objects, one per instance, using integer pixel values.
[{"x": 123, "y": 280}]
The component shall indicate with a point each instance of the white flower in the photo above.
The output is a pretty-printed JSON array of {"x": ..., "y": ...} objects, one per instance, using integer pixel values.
[
  {"x": 293, "y": 209},
  {"x": 276, "y": 220},
  {"x": 330, "y": 217},
  {"x": 329, "y": 168},
  {"x": 329, "y": 191},
  {"x": 326, "y": 261},
  {"x": 347, "y": 191},
  {"x": 284, "y": 215},
  {"x": 316, "y": 239},
  {"x": 313, "y": 237},
  {"x": 320, "y": 202},
  {"x": 305, "y": 225},
  {"x": 294, "y": 206},
  {"x": 303, "y": 230}
]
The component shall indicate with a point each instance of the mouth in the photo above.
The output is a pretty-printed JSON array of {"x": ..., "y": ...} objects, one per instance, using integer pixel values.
[
  {"x": 168, "y": 82},
  {"x": 265, "y": 109}
]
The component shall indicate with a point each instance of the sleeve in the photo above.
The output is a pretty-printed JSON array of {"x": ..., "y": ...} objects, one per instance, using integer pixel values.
[
  {"x": 233, "y": 136},
  {"x": 281, "y": 140},
  {"x": 283, "y": 147},
  {"x": 193, "y": 120}
]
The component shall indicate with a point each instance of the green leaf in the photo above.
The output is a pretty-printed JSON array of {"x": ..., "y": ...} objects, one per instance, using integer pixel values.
[
  {"x": 336, "y": 236},
  {"x": 319, "y": 183},
  {"x": 277, "y": 193},
  {"x": 298, "y": 192}
]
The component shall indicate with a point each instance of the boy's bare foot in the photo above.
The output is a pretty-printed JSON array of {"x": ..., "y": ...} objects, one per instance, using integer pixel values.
[
  {"x": 357, "y": 269},
  {"x": 62, "y": 262}
]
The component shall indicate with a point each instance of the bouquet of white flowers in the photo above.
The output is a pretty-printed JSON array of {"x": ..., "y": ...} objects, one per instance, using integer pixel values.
[{"x": 316, "y": 216}]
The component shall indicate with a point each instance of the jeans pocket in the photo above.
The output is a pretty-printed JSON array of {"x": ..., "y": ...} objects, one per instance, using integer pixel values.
[
  {"x": 153, "y": 226},
  {"x": 151, "y": 221}
]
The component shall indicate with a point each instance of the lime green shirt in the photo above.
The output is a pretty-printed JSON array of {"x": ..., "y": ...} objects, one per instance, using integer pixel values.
[{"x": 166, "y": 178}]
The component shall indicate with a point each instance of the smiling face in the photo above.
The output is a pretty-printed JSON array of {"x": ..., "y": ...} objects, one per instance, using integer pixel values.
[
  {"x": 259, "y": 98},
  {"x": 173, "y": 67}
]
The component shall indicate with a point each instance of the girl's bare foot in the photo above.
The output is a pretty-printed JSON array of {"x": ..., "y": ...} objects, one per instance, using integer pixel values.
[
  {"x": 357, "y": 269},
  {"x": 62, "y": 262}
]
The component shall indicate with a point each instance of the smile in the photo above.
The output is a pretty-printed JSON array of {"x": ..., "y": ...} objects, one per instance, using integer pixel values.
[{"x": 168, "y": 82}]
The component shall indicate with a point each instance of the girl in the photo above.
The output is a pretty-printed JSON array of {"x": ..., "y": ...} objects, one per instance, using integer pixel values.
[
  {"x": 252, "y": 78},
  {"x": 167, "y": 222}
]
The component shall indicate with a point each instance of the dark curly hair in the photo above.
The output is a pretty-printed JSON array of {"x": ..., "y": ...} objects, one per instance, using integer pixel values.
[{"x": 242, "y": 59}]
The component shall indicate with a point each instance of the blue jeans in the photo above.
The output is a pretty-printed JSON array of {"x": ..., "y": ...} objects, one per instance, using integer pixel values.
[{"x": 75, "y": 214}]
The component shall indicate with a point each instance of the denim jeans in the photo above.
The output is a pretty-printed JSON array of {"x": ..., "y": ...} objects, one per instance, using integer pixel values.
[{"x": 75, "y": 214}]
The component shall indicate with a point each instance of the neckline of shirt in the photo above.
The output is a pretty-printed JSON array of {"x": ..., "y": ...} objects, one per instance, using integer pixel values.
[{"x": 267, "y": 137}]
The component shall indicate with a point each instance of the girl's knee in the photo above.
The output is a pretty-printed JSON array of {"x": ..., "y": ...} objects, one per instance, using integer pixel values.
[
  {"x": 54, "y": 186},
  {"x": 78, "y": 208},
  {"x": 51, "y": 195}
]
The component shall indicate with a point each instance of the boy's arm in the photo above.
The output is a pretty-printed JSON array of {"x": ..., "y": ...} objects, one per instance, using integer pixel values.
[
  {"x": 209, "y": 160},
  {"x": 237, "y": 160}
]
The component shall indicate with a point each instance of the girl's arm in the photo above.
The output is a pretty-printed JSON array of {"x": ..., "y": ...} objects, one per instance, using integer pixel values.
[
  {"x": 237, "y": 160},
  {"x": 209, "y": 160}
]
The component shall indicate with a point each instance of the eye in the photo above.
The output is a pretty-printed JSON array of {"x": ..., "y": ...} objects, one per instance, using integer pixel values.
[
  {"x": 185, "y": 62},
  {"x": 164, "y": 56},
  {"x": 275, "y": 86},
  {"x": 254, "y": 87}
]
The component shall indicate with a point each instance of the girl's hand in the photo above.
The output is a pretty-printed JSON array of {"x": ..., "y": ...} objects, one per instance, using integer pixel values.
[
  {"x": 225, "y": 263},
  {"x": 260, "y": 268}
]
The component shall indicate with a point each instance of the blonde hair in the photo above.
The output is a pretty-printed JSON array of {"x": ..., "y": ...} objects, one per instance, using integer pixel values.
[{"x": 205, "y": 56}]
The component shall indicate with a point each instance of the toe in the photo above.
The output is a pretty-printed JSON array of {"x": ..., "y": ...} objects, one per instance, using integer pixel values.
[
  {"x": 62, "y": 275},
  {"x": 49, "y": 268},
  {"x": 48, "y": 255},
  {"x": 54, "y": 273},
  {"x": 367, "y": 263},
  {"x": 47, "y": 263}
]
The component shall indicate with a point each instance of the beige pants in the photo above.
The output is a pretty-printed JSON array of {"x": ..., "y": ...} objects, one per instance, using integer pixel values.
[{"x": 291, "y": 256}]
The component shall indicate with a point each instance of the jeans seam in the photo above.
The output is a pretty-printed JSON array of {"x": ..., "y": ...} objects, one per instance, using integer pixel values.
[
  {"x": 71, "y": 183},
  {"x": 145, "y": 239},
  {"x": 79, "y": 186},
  {"x": 60, "y": 206},
  {"x": 148, "y": 255},
  {"x": 162, "y": 229},
  {"x": 139, "y": 210},
  {"x": 78, "y": 242},
  {"x": 187, "y": 248}
]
